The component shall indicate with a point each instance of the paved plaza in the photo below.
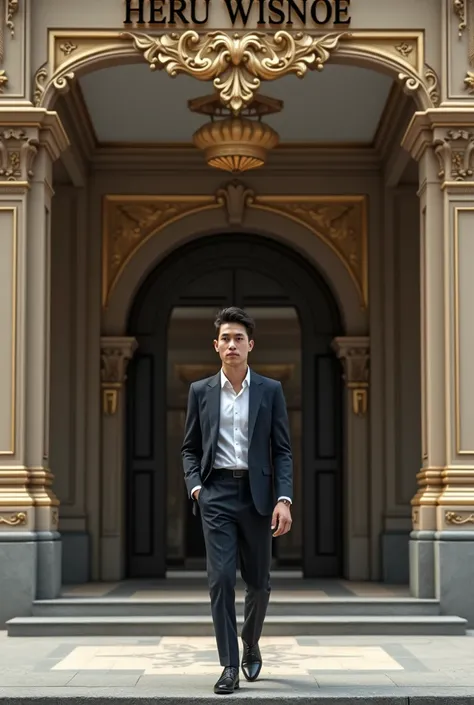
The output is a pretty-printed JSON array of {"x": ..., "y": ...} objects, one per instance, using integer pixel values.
[{"x": 168, "y": 669}]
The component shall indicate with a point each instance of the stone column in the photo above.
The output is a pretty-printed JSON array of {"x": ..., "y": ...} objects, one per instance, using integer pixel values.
[
  {"x": 115, "y": 355},
  {"x": 30, "y": 554},
  {"x": 442, "y": 545},
  {"x": 354, "y": 354}
]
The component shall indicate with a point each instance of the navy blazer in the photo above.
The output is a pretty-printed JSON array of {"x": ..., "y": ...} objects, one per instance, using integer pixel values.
[{"x": 269, "y": 454}]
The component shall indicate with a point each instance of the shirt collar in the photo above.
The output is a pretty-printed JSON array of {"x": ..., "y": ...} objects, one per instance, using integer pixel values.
[{"x": 225, "y": 381}]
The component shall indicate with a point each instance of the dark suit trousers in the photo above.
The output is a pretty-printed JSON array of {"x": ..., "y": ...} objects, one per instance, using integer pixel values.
[{"x": 232, "y": 526}]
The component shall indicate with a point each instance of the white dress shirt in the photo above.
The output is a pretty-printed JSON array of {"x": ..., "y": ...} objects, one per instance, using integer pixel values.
[{"x": 233, "y": 438}]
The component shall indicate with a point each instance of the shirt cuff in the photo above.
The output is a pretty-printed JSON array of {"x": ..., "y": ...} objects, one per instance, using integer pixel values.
[
  {"x": 198, "y": 487},
  {"x": 289, "y": 500}
]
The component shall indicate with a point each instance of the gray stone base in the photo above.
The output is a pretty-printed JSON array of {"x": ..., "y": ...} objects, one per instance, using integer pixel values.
[
  {"x": 395, "y": 563},
  {"x": 454, "y": 574},
  {"x": 18, "y": 561},
  {"x": 30, "y": 568},
  {"x": 48, "y": 577},
  {"x": 422, "y": 577},
  {"x": 76, "y": 557}
]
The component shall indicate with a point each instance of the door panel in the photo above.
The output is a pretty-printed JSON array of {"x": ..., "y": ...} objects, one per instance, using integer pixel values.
[
  {"x": 145, "y": 478},
  {"x": 323, "y": 535}
]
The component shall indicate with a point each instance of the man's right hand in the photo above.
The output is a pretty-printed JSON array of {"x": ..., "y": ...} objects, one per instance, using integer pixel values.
[{"x": 196, "y": 494}]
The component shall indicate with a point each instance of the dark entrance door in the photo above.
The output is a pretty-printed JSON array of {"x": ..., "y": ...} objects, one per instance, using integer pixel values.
[{"x": 247, "y": 271}]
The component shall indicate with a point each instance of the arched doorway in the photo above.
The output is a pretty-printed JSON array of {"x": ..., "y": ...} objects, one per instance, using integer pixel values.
[{"x": 208, "y": 273}]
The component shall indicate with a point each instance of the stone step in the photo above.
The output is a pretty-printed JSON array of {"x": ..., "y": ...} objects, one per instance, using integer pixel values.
[
  {"x": 199, "y": 625},
  {"x": 199, "y": 605}
]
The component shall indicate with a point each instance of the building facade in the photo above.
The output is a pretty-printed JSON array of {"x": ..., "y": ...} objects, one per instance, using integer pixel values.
[{"x": 352, "y": 244}]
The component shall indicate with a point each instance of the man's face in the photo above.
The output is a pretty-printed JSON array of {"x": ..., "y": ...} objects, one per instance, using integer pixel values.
[{"x": 233, "y": 344}]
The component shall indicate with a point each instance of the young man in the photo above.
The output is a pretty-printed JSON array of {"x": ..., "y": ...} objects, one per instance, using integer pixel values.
[{"x": 237, "y": 458}]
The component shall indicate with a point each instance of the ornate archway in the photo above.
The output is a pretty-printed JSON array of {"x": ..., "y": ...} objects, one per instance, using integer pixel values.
[
  {"x": 237, "y": 62},
  {"x": 330, "y": 231}
]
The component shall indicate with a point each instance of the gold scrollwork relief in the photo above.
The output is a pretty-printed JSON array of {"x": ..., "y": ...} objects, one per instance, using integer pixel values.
[
  {"x": 236, "y": 63},
  {"x": 339, "y": 221},
  {"x": 18, "y": 519},
  {"x": 459, "y": 519}
]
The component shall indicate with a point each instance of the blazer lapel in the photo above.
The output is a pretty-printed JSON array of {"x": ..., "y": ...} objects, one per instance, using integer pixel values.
[
  {"x": 214, "y": 409},
  {"x": 255, "y": 398}
]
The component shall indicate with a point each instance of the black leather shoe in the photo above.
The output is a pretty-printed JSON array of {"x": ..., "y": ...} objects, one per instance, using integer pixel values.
[
  {"x": 251, "y": 662},
  {"x": 228, "y": 682}
]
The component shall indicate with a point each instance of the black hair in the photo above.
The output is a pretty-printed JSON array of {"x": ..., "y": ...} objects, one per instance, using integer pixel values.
[{"x": 233, "y": 314}]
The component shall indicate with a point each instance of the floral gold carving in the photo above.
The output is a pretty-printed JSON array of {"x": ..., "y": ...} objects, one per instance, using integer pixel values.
[
  {"x": 455, "y": 155},
  {"x": 405, "y": 49},
  {"x": 236, "y": 63},
  {"x": 68, "y": 48},
  {"x": 18, "y": 519},
  {"x": 459, "y": 519},
  {"x": 235, "y": 197},
  {"x": 459, "y": 7},
  {"x": 3, "y": 80},
  {"x": 12, "y": 9},
  {"x": 17, "y": 155},
  {"x": 131, "y": 222},
  {"x": 339, "y": 223},
  {"x": 469, "y": 82}
]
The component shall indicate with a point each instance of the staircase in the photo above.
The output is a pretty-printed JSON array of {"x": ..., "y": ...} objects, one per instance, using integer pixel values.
[{"x": 180, "y": 607}]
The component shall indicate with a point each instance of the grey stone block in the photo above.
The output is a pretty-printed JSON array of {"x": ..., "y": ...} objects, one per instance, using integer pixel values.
[
  {"x": 17, "y": 578},
  {"x": 49, "y": 568},
  {"x": 454, "y": 571},
  {"x": 76, "y": 558},
  {"x": 395, "y": 563},
  {"x": 422, "y": 578}
]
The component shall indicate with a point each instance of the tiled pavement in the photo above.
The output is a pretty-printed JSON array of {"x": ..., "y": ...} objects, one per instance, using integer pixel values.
[{"x": 377, "y": 669}]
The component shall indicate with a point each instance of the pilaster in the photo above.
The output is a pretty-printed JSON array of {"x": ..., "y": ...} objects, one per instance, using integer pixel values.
[
  {"x": 354, "y": 353},
  {"x": 30, "y": 140},
  {"x": 443, "y": 537},
  {"x": 116, "y": 352}
]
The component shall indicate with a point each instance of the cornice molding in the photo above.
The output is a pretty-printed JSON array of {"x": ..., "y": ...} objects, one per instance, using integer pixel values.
[{"x": 288, "y": 160}]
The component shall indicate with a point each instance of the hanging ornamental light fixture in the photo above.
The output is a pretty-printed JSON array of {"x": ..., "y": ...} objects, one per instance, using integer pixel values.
[{"x": 235, "y": 143}]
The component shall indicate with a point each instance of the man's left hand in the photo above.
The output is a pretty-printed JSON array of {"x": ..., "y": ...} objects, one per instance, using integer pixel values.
[{"x": 281, "y": 519}]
